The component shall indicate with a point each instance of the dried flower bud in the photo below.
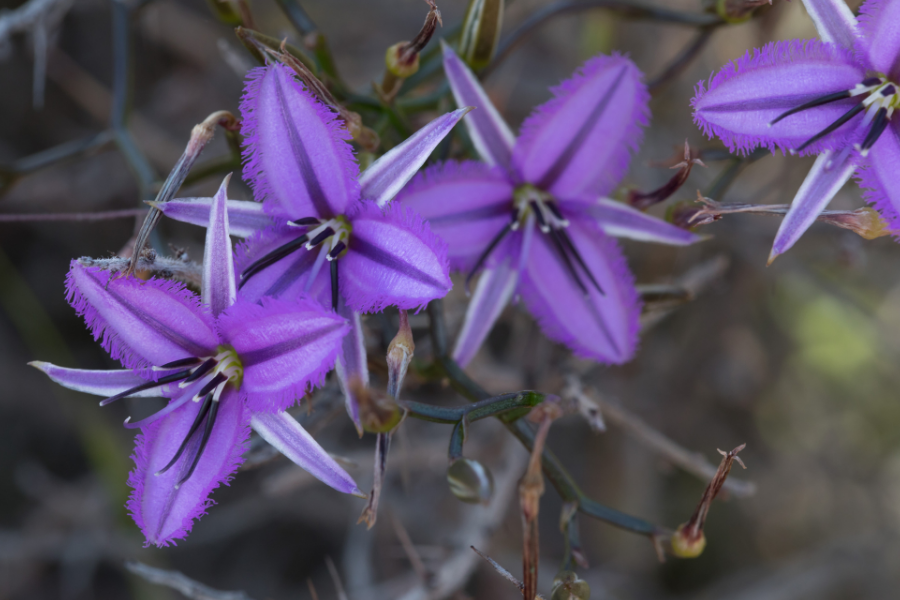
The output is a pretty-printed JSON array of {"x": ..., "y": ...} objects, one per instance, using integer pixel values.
[
  {"x": 568, "y": 586},
  {"x": 481, "y": 32},
  {"x": 687, "y": 215},
  {"x": 399, "y": 355},
  {"x": 736, "y": 11},
  {"x": 470, "y": 481},
  {"x": 402, "y": 60},
  {"x": 688, "y": 540},
  {"x": 644, "y": 200}
]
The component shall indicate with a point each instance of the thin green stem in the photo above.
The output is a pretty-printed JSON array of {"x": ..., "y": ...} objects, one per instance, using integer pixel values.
[{"x": 473, "y": 412}]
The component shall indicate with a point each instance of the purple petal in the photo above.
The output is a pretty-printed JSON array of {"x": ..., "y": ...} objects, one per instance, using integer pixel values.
[
  {"x": 466, "y": 204},
  {"x": 817, "y": 190},
  {"x": 599, "y": 327},
  {"x": 743, "y": 98},
  {"x": 620, "y": 220},
  {"x": 580, "y": 142},
  {"x": 394, "y": 260},
  {"x": 879, "y": 179},
  {"x": 879, "y": 22},
  {"x": 351, "y": 366},
  {"x": 489, "y": 132},
  {"x": 217, "y": 288},
  {"x": 244, "y": 218},
  {"x": 297, "y": 158},
  {"x": 285, "y": 348},
  {"x": 834, "y": 21},
  {"x": 495, "y": 288},
  {"x": 141, "y": 323},
  {"x": 288, "y": 278},
  {"x": 387, "y": 175},
  {"x": 166, "y": 513},
  {"x": 97, "y": 382},
  {"x": 288, "y": 437}
]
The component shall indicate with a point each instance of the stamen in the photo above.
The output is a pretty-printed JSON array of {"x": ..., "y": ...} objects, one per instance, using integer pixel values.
[
  {"x": 843, "y": 119},
  {"x": 323, "y": 235},
  {"x": 211, "y": 385},
  {"x": 878, "y": 127},
  {"x": 199, "y": 372},
  {"x": 487, "y": 251},
  {"x": 338, "y": 248},
  {"x": 568, "y": 262},
  {"x": 334, "y": 285},
  {"x": 871, "y": 81},
  {"x": 564, "y": 222},
  {"x": 574, "y": 251},
  {"x": 539, "y": 214},
  {"x": 304, "y": 222},
  {"x": 889, "y": 91},
  {"x": 271, "y": 258},
  {"x": 207, "y": 401},
  {"x": 146, "y": 386},
  {"x": 210, "y": 420},
  {"x": 183, "y": 362},
  {"x": 827, "y": 99}
]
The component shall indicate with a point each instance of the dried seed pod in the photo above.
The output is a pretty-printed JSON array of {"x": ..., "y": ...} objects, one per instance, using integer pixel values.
[{"x": 569, "y": 586}]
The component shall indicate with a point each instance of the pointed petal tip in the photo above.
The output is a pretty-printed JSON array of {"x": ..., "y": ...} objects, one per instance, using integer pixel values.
[
  {"x": 772, "y": 256},
  {"x": 39, "y": 365},
  {"x": 357, "y": 492}
]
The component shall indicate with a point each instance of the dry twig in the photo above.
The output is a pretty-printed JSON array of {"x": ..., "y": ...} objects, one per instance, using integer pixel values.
[{"x": 182, "y": 583}]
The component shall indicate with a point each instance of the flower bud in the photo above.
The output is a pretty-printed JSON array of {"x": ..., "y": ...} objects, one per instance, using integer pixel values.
[
  {"x": 865, "y": 222},
  {"x": 399, "y": 355},
  {"x": 481, "y": 32},
  {"x": 568, "y": 586},
  {"x": 377, "y": 413},
  {"x": 470, "y": 481}
]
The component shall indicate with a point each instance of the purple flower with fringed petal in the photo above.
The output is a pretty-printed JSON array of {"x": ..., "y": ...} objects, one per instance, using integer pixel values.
[
  {"x": 834, "y": 97},
  {"x": 322, "y": 229},
  {"x": 534, "y": 213},
  {"x": 226, "y": 363}
]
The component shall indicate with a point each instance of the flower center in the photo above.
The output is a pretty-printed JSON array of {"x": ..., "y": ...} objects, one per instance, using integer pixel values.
[
  {"x": 878, "y": 97},
  {"x": 529, "y": 200}
]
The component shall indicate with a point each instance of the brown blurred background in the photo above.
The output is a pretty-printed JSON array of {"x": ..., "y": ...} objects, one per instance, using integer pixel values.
[{"x": 794, "y": 359}]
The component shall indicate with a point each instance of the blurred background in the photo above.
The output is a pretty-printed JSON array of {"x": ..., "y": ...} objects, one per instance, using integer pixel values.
[{"x": 794, "y": 359}]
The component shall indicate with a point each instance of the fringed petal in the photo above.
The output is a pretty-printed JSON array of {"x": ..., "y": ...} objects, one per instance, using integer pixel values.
[
  {"x": 490, "y": 134},
  {"x": 283, "y": 432},
  {"x": 218, "y": 289},
  {"x": 285, "y": 348},
  {"x": 101, "y": 383},
  {"x": 742, "y": 99},
  {"x": 580, "y": 142},
  {"x": 602, "y": 327},
  {"x": 244, "y": 218},
  {"x": 620, "y": 220},
  {"x": 834, "y": 21},
  {"x": 394, "y": 259},
  {"x": 466, "y": 204},
  {"x": 879, "y": 22},
  {"x": 296, "y": 155},
  {"x": 287, "y": 278},
  {"x": 166, "y": 513},
  {"x": 140, "y": 323},
  {"x": 494, "y": 290},
  {"x": 387, "y": 175},
  {"x": 879, "y": 178}
]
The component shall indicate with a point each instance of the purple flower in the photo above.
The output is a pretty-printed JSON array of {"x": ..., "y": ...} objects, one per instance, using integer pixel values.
[
  {"x": 835, "y": 98},
  {"x": 534, "y": 215},
  {"x": 227, "y": 364},
  {"x": 322, "y": 229}
]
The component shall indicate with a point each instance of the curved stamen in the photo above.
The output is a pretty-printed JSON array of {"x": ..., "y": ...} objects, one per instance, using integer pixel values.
[
  {"x": 212, "y": 384},
  {"x": 184, "y": 362},
  {"x": 304, "y": 222},
  {"x": 321, "y": 237},
  {"x": 334, "y": 285},
  {"x": 539, "y": 215},
  {"x": 210, "y": 421},
  {"x": 271, "y": 258},
  {"x": 146, "y": 386},
  {"x": 827, "y": 99},
  {"x": 554, "y": 234},
  {"x": 840, "y": 121},
  {"x": 878, "y": 126},
  {"x": 335, "y": 252},
  {"x": 199, "y": 372},
  {"x": 487, "y": 251},
  {"x": 574, "y": 251},
  {"x": 563, "y": 222},
  {"x": 207, "y": 401}
]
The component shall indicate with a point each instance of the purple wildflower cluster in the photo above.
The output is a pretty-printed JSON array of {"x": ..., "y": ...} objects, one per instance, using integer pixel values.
[{"x": 324, "y": 243}]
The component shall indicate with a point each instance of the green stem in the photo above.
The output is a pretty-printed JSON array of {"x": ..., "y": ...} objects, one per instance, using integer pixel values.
[{"x": 474, "y": 412}]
